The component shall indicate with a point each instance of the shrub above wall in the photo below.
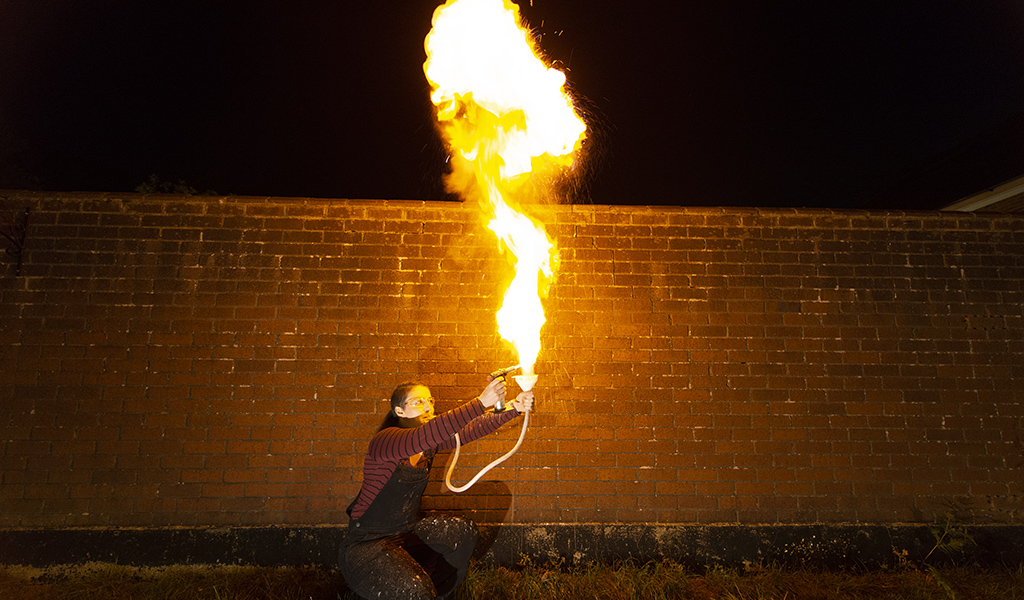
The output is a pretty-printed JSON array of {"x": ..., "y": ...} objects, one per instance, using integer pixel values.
[{"x": 197, "y": 361}]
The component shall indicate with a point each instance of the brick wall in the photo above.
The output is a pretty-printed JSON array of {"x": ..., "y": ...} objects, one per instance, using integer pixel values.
[{"x": 194, "y": 361}]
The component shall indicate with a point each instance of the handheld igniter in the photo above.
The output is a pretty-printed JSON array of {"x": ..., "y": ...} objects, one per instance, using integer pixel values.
[{"x": 499, "y": 406}]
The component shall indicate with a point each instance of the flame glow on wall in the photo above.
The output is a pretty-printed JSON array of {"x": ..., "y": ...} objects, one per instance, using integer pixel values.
[{"x": 505, "y": 117}]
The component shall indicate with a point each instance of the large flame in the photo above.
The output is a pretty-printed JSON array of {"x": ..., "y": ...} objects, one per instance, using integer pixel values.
[{"x": 504, "y": 114}]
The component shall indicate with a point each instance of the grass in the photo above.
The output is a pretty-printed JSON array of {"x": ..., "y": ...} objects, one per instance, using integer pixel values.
[
  {"x": 96, "y": 581},
  {"x": 622, "y": 581}
]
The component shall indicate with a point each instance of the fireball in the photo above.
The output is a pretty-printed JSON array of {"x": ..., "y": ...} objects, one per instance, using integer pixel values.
[{"x": 504, "y": 114}]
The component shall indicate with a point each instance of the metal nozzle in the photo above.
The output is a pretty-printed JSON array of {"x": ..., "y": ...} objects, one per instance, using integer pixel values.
[{"x": 503, "y": 372}]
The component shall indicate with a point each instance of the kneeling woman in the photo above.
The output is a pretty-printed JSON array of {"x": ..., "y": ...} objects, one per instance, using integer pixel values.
[{"x": 388, "y": 551}]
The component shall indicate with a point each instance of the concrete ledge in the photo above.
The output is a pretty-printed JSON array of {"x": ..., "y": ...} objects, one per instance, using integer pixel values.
[
  {"x": 696, "y": 546},
  {"x": 702, "y": 546}
]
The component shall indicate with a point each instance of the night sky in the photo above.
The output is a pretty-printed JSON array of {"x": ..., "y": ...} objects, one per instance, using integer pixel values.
[{"x": 712, "y": 102}]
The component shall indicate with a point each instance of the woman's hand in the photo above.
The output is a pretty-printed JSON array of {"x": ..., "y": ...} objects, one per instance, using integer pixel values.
[
  {"x": 523, "y": 402},
  {"x": 494, "y": 391}
]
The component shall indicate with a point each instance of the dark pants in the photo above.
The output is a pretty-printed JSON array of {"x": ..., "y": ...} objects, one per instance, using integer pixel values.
[{"x": 428, "y": 562}]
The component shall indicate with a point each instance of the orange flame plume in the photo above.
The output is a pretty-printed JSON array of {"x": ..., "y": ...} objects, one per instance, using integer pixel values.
[{"x": 504, "y": 115}]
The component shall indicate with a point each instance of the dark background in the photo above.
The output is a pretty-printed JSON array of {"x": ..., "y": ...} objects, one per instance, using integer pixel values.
[{"x": 825, "y": 103}]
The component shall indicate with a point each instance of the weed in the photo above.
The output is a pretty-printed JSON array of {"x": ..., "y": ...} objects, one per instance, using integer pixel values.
[{"x": 951, "y": 538}]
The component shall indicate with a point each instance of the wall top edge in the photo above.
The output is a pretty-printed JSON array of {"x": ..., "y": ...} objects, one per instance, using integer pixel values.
[
  {"x": 28, "y": 195},
  {"x": 576, "y": 525}
]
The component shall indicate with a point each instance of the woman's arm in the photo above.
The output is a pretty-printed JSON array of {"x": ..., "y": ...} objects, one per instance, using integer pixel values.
[
  {"x": 395, "y": 443},
  {"x": 479, "y": 427}
]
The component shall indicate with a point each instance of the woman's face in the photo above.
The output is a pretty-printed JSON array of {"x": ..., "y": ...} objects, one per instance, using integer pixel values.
[{"x": 417, "y": 405}]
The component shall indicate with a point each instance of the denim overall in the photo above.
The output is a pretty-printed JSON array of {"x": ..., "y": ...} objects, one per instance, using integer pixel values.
[{"x": 390, "y": 553}]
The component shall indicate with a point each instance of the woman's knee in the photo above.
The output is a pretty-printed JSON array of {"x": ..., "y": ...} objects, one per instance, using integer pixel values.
[
  {"x": 455, "y": 530},
  {"x": 384, "y": 571}
]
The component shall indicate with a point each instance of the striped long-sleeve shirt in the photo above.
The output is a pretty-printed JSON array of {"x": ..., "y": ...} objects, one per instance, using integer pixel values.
[{"x": 393, "y": 445}]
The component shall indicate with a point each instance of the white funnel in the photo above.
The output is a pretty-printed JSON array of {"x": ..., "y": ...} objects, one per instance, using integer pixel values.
[{"x": 526, "y": 382}]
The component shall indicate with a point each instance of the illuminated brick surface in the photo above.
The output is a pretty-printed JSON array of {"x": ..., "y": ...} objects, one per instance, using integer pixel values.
[{"x": 191, "y": 361}]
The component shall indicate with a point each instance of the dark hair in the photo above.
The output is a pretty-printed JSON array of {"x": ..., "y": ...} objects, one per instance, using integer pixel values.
[{"x": 397, "y": 399}]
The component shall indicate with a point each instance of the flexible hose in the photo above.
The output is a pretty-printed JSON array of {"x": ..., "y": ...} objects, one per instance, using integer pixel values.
[{"x": 455, "y": 459}]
